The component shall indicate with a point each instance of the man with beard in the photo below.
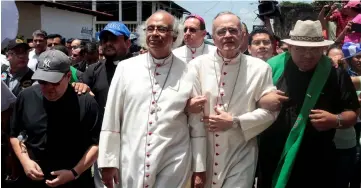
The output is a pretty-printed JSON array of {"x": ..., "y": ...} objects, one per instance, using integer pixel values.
[
  {"x": 40, "y": 45},
  {"x": 260, "y": 44},
  {"x": 115, "y": 43},
  {"x": 194, "y": 33},
  {"x": 145, "y": 139},
  {"x": 233, "y": 84},
  {"x": 78, "y": 58}
]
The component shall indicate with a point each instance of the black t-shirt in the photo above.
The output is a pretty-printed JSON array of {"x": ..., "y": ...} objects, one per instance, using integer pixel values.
[
  {"x": 98, "y": 77},
  {"x": 59, "y": 132},
  {"x": 316, "y": 153}
]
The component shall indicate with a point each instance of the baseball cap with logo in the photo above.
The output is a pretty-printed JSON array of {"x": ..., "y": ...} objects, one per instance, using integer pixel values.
[
  {"x": 117, "y": 28},
  {"x": 52, "y": 66},
  {"x": 18, "y": 43}
]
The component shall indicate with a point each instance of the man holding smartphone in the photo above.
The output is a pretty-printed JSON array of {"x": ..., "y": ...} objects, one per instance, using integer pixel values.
[{"x": 352, "y": 31}]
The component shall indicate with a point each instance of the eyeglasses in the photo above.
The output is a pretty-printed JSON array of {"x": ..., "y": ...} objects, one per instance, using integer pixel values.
[
  {"x": 223, "y": 31},
  {"x": 191, "y": 29},
  {"x": 258, "y": 42},
  {"x": 308, "y": 50},
  {"x": 160, "y": 29}
]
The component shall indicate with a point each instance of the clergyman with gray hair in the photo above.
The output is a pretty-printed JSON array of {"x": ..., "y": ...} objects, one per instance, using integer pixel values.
[
  {"x": 145, "y": 139},
  {"x": 233, "y": 83}
]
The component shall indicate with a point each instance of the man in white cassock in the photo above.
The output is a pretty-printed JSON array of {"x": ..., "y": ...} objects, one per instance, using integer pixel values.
[
  {"x": 233, "y": 83},
  {"x": 194, "y": 33},
  {"x": 145, "y": 139}
]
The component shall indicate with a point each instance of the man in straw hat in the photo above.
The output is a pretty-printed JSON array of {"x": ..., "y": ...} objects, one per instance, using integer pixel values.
[{"x": 298, "y": 149}]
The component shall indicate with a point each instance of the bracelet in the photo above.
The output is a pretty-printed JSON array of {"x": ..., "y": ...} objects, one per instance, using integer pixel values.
[{"x": 75, "y": 174}]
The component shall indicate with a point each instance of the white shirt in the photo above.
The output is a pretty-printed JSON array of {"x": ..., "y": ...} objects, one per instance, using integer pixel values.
[
  {"x": 4, "y": 60},
  {"x": 187, "y": 54},
  {"x": 33, "y": 60},
  {"x": 232, "y": 154},
  {"x": 7, "y": 97},
  {"x": 151, "y": 148}
]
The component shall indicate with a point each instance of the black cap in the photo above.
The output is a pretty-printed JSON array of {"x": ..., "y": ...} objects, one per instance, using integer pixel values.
[{"x": 18, "y": 43}]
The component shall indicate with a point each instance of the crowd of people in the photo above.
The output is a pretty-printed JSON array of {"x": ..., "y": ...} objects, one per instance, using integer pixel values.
[{"x": 252, "y": 110}]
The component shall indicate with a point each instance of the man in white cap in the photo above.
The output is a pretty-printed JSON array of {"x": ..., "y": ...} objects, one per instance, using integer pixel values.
[
  {"x": 194, "y": 33},
  {"x": 298, "y": 149},
  {"x": 233, "y": 83},
  {"x": 145, "y": 140}
]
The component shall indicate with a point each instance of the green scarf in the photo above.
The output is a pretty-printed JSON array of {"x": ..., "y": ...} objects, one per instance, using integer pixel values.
[
  {"x": 73, "y": 78},
  {"x": 294, "y": 139}
]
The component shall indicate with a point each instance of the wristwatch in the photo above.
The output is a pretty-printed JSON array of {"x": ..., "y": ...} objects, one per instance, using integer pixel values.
[
  {"x": 76, "y": 175},
  {"x": 339, "y": 121},
  {"x": 236, "y": 122}
]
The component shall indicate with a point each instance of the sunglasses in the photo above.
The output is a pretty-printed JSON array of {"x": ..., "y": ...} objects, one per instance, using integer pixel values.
[{"x": 191, "y": 29}]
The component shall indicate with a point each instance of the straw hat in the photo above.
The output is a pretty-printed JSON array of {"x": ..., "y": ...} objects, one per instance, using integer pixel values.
[{"x": 307, "y": 33}]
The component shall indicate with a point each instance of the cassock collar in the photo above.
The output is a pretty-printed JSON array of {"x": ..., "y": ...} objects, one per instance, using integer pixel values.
[
  {"x": 154, "y": 62},
  {"x": 195, "y": 51},
  {"x": 222, "y": 59}
]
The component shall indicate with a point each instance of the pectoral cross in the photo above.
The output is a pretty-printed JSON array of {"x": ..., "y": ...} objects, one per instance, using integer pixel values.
[{"x": 155, "y": 109}]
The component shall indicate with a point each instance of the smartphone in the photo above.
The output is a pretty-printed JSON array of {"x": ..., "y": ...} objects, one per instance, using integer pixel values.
[{"x": 356, "y": 27}]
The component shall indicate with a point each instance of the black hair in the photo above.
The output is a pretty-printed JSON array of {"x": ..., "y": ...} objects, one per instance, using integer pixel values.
[
  {"x": 259, "y": 31},
  {"x": 70, "y": 40},
  {"x": 52, "y": 36},
  {"x": 91, "y": 47},
  {"x": 202, "y": 25},
  {"x": 82, "y": 49},
  {"x": 334, "y": 46},
  {"x": 61, "y": 48}
]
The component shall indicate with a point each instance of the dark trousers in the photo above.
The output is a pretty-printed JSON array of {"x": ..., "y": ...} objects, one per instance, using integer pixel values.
[
  {"x": 344, "y": 166},
  {"x": 356, "y": 173}
]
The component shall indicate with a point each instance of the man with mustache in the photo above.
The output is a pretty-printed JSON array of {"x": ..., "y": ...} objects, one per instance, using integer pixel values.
[
  {"x": 114, "y": 40},
  {"x": 260, "y": 44},
  {"x": 194, "y": 33},
  {"x": 145, "y": 139},
  {"x": 233, "y": 83},
  {"x": 298, "y": 150}
]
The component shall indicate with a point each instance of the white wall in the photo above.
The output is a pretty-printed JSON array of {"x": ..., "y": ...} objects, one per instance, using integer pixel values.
[{"x": 63, "y": 22}]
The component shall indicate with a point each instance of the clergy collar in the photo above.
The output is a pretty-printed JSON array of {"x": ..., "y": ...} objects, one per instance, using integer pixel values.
[
  {"x": 159, "y": 62},
  {"x": 222, "y": 59},
  {"x": 198, "y": 49}
]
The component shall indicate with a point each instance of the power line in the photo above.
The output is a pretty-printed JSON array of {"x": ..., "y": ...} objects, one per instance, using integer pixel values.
[{"x": 211, "y": 8}]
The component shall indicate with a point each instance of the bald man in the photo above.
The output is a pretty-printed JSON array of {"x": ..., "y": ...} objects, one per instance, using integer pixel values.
[{"x": 145, "y": 139}]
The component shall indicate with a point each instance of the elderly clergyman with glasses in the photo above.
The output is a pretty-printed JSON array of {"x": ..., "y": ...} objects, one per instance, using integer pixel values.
[
  {"x": 233, "y": 83},
  {"x": 145, "y": 139}
]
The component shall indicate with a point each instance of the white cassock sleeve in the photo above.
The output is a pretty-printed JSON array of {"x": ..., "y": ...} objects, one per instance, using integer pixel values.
[
  {"x": 255, "y": 122},
  {"x": 109, "y": 141},
  {"x": 197, "y": 129}
]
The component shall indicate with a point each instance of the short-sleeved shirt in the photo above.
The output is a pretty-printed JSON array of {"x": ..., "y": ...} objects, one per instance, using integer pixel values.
[
  {"x": 341, "y": 21},
  {"x": 315, "y": 160},
  {"x": 354, "y": 37},
  {"x": 59, "y": 132}
]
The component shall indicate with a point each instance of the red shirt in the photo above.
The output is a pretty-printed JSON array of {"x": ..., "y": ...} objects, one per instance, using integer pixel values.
[{"x": 341, "y": 21}]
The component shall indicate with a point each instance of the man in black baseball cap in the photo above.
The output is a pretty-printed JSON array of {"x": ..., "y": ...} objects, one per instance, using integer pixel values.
[
  {"x": 17, "y": 75},
  {"x": 62, "y": 128}
]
